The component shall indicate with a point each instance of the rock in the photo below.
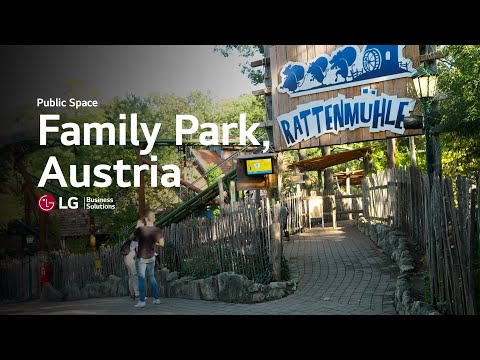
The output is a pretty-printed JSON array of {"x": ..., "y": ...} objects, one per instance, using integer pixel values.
[
  {"x": 72, "y": 292},
  {"x": 172, "y": 276},
  {"x": 184, "y": 288},
  {"x": 247, "y": 283},
  {"x": 405, "y": 268},
  {"x": 122, "y": 287},
  {"x": 275, "y": 294},
  {"x": 401, "y": 287},
  {"x": 277, "y": 285},
  {"x": 258, "y": 297},
  {"x": 208, "y": 288},
  {"x": 255, "y": 287},
  {"x": 112, "y": 283},
  {"x": 84, "y": 293},
  {"x": 230, "y": 287},
  {"x": 93, "y": 290},
  {"x": 49, "y": 293}
]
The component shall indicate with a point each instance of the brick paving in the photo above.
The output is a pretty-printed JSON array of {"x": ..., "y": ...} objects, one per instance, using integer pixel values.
[{"x": 339, "y": 272}]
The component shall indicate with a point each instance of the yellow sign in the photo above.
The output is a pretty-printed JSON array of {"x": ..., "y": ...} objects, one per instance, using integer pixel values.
[
  {"x": 259, "y": 166},
  {"x": 98, "y": 264}
]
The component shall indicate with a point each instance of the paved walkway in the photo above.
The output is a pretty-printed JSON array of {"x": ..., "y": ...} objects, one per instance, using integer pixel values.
[{"x": 339, "y": 272}]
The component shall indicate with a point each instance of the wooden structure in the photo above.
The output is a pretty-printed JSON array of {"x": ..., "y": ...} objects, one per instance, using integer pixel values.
[
  {"x": 354, "y": 177},
  {"x": 282, "y": 103},
  {"x": 323, "y": 162}
]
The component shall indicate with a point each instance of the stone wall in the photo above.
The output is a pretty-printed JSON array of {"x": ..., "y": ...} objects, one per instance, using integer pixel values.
[
  {"x": 399, "y": 248},
  {"x": 227, "y": 286}
]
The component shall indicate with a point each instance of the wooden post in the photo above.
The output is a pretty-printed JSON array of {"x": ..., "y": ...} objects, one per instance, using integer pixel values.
[
  {"x": 27, "y": 208},
  {"x": 320, "y": 182},
  {"x": 347, "y": 190},
  {"x": 276, "y": 243},
  {"x": 437, "y": 152},
  {"x": 93, "y": 240},
  {"x": 367, "y": 164},
  {"x": 334, "y": 211},
  {"x": 279, "y": 174},
  {"x": 222, "y": 195},
  {"x": 42, "y": 229},
  {"x": 413, "y": 153},
  {"x": 141, "y": 189},
  {"x": 268, "y": 97},
  {"x": 391, "y": 145}
]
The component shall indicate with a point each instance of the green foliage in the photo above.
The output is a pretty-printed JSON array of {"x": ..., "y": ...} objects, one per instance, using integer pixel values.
[
  {"x": 213, "y": 175},
  {"x": 228, "y": 111},
  {"x": 246, "y": 51},
  {"x": 459, "y": 79}
]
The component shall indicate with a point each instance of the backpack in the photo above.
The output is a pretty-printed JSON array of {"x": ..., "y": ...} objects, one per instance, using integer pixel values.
[{"x": 125, "y": 248}]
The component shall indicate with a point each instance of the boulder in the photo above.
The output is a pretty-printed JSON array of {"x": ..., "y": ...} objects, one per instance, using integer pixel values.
[
  {"x": 72, "y": 292},
  {"x": 93, "y": 290},
  {"x": 208, "y": 288},
  {"x": 171, "y": 276},
  {"x": 277, "y": 285},
  {"x": 257, "y": 297},
  {"x": 49, "y": 293},
  {"x": 230, "y": 287},
  {"x": 255, "y": 287},
  {"x": 184, "y": 288},
  {"x": 274, "y": 293}
]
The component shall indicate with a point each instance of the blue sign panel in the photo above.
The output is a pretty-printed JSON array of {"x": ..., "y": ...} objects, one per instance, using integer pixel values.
[{"x": 347, "y": 66}]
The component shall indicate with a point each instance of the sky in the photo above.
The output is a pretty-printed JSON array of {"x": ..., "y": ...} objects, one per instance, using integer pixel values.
[{"x": 31, "y": 72}]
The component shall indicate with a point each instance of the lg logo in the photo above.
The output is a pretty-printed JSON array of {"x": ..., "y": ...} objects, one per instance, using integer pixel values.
[{"x": 47, "y": 203}]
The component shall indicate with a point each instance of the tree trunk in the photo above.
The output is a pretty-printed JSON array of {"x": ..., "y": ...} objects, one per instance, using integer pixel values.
[
  {"x": 307, "y": 185},
  {"x": 328, "y": 185}
]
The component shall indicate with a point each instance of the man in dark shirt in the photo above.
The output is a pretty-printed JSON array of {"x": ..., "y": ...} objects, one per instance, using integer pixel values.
[{"x": 147, "y": 237}]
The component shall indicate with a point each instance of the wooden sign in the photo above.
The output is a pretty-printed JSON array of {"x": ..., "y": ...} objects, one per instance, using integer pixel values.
[
  {"x": 297, "y": 178},
  {"x": 337, "y": 94}
]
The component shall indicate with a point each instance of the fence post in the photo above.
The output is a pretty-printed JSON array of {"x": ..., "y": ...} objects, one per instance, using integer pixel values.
[
  {"x": 222, "y": 195},
  {"x": 276, "y": 244}
]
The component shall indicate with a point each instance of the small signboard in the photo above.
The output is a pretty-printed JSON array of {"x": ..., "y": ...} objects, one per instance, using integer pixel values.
[
  {"x": 315, "y": 209},
  {"x": 297, "y": 178}
]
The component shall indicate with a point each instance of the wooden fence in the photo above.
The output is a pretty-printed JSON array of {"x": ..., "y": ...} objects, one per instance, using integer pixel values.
[
  {"x": 296, "y": 206},
  {"x": 441, "y": 215},
  {"x": 348, "y": 205},
  {"x": 20, "y": 278},
  {"x": 238, "y": 240},
  {"x": 82, "y": 269}
]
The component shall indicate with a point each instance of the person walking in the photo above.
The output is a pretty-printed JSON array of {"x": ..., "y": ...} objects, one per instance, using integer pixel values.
[
  {"x": 147, "y": 237},
  {"x": 128, "y": 251}
]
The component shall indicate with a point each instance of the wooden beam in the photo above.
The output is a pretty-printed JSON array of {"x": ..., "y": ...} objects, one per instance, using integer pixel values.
[
  {"x": 267, "y": 90},
  {"x": 266, "y": 123},
  {"x": 260, "y": 62},
  {"x": 432, "y": 56}
]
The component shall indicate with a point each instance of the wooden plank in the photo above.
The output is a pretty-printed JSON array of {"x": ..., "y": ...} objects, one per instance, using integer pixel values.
[
  {"x": 264, "y": 91},
  {"x": 260, "y": 62}
]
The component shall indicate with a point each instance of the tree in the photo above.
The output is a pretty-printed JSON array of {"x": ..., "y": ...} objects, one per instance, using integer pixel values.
[
  {"x": 246, "y": 51},
  {"x": 459, "y": 110}
]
